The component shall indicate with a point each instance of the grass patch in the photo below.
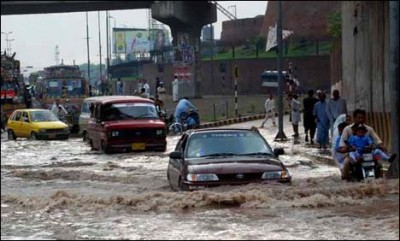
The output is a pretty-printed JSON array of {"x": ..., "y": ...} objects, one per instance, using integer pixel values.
[{"x": 294, "y": 50}]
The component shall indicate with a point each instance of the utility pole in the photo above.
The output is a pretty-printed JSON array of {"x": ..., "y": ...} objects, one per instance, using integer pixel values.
[
  {"x": 98, "y": 20},
  {"x": 108, "y": 49},
  {"x": 394, "y": 83},
  {"x": 281, "y": 135},
  {"x": 87, "y": 46}
]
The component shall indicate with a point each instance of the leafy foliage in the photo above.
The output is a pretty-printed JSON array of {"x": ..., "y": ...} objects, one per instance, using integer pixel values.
[{"x": 335, "y": 24}]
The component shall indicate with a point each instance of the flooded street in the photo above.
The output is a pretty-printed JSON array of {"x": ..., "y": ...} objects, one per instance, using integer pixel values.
[{"x": 63, "y": 190}]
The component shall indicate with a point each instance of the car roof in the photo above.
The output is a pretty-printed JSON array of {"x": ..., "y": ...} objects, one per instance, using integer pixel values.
[
  {"x": 96, "y": 98},
  {"x": 206, "y": 130},
  {"x": 121, "y": 99},
  {"x": 28, "y": 110}
]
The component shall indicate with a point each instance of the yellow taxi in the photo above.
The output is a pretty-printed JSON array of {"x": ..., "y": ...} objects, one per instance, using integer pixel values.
[{"x": 36, "y": 124}]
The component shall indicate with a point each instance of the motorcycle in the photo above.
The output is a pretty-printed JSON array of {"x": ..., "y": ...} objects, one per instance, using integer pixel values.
[
  {"x": 367, "y": 167},
  {"x": 189, "y": 120}
]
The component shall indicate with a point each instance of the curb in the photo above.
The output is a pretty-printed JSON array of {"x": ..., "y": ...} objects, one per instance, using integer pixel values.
[{"x": 235, "y": 120}]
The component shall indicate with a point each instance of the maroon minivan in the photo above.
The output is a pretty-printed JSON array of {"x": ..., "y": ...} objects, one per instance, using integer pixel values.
[{"x": 126, "y": 123}]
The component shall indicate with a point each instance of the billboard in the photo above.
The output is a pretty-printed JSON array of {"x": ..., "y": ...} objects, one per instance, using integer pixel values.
[{"x": 134, "y": 41}]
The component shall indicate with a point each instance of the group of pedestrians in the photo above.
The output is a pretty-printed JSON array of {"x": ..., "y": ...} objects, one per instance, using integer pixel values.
[
  {"x": 320, "y": 116},
  {"x": 328, "y": 119}
]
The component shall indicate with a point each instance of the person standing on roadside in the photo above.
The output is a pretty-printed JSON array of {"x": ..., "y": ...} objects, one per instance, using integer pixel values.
[
  {"x": 119, "y": 87},
  {"x": 322, "y": 121},
  {"x": 161, "y": 92},
  {"x": 158, "y": 81},
  {"x": 334, "y": 108},
  {"x": 269, "y": 106},
  {"x": 308, "y": 116},
  {"x": 175, "y": 83},
  {"x": 146, "y": 86},
  {"x": 295, "y": 112}
]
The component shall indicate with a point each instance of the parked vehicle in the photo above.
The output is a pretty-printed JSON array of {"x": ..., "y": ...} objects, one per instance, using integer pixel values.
[
  {"x": 36, "y": 124},
  {"x": 126, "y": 123},
  {"x": 224, "y": 156}
]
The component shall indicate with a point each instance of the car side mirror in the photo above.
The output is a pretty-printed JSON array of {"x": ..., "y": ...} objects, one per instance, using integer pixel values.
[
  {"x": 279, "y": 151},
  {"x": 175, "y": 155}
]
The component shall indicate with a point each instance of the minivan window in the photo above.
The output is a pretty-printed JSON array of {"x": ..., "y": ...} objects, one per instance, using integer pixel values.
[{"x": 85, "y": 107}]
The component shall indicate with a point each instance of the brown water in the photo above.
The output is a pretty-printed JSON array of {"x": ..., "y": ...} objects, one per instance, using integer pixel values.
[{"x": 62, "y": 190}]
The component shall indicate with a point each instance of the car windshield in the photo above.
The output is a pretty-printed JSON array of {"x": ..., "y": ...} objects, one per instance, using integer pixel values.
[
  {"x": 223, "y": 143},
  {"x": 43, "y": 115},
  {"x": 130, "y": 111}
]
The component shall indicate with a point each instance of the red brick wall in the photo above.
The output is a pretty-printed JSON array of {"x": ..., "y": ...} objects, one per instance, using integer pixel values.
[
  {"x": 238, "y": 31},
  {"x": 313, "y": 72},
  {"x": 308, "y": 19}
]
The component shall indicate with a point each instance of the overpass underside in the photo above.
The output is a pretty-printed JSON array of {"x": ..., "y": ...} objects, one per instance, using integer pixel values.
[{"x": 42, "y": 7}]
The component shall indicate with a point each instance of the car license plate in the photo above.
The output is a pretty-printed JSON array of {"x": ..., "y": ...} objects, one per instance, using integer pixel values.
[
  {"x": 138, "y": 146},
  {"x": 52, "y": 136}
]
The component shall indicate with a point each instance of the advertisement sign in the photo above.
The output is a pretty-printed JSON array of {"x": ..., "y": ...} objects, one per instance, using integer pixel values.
[{"x": 129, "y": 41}]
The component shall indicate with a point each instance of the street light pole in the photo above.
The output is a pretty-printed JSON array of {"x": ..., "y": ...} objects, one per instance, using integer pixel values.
[
  {"x": 108, "y": 50},
  {"x": 233, "y": 6},
  {"x": 87, "y": 45},
  {"x": 8, "y": 44},
  {"x": 98, "y": 20},
  {"x": 281, "y": 135},
  {"x": 112, "y": 34}
]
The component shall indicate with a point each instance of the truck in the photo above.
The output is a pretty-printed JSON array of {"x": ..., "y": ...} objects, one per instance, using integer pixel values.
[
  {"x": 66, "y": 83},
  {"x": 12, "y": 85}
]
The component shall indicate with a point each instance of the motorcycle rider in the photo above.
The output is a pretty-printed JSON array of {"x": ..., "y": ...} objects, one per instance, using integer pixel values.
[
  {"x": 58, "y": 109},
  {"x": 359, "y": 142},
  {"x": 359, "y": 117},
  {"x": 183, "y": 106}
]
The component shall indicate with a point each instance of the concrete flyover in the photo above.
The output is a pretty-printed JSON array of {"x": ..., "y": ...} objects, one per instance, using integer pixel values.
[
  {"x": 41, "y": 7},
  {"x": 186, "y": 19}
]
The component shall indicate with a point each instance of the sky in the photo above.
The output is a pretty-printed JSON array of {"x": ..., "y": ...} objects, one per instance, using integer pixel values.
[{"x": 34, "y": 37}]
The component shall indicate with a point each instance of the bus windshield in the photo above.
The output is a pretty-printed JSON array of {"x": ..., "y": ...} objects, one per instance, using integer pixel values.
[{"x": 73, "y": 87}]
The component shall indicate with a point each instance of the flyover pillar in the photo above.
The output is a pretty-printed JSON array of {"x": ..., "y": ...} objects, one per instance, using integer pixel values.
[{"x": 186, "y": 19}]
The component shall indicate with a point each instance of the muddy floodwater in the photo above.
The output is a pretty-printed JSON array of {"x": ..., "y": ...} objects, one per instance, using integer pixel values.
[{"x": 63, "y": 190}]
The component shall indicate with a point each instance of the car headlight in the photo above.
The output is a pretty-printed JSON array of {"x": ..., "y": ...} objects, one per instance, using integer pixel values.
[
  {"x": 159, "y": 132},
  {"x": 66, "y": 129},
  {"x": 201, "y": 177},
  {"x": 276, "y": 175},
  {"x": 114, "y": 133},
  {"x": 42, "y": 130}
]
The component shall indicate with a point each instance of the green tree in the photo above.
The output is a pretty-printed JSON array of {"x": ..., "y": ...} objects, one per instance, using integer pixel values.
[{"x": 335, "y": 24}]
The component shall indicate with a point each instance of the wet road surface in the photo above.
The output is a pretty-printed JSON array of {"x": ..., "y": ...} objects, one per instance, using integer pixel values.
[{"x": 63, "y": 190}]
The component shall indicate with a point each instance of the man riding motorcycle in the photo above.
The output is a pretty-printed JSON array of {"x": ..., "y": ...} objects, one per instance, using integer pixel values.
[
  {"x": 183, "y": 106},
  {"x": 359, "y": 117}
]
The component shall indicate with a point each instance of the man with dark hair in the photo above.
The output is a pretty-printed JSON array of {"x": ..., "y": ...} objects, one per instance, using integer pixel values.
[
  {"x": 309, "y": 118},
  {"x": 295, "y": 112},
  {"x": 359, "y": 118},
  {"x": 184, "y": 105}
]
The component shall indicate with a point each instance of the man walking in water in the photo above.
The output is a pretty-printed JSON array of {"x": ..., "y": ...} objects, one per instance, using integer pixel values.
[{"x": 269, "y": 106}]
